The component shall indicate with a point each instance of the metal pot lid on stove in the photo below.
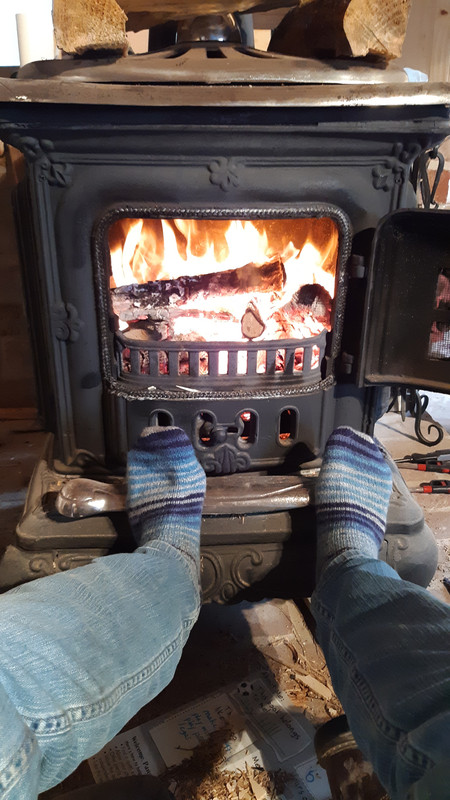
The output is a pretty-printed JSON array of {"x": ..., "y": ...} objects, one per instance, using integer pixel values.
[
  {"x": 213, "y": 62},
  {"x": 218, "y": 74}
]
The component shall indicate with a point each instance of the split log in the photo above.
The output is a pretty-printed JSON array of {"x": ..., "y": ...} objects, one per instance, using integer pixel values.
[
  {"x": 307, "y": 312},
  {"x": 315, "y": 299},
  {"x": 252, "y": 325},
  {"x": 377, "y": 27},
  {"x": 313, "y": 30},
  {"x": 162, "y": 325},
  {"x": 318, "y": 28},
  {"x": 130, "y": 302},
  {"x": 83, "y": 25},
  {"x": 337, "y": 28}
]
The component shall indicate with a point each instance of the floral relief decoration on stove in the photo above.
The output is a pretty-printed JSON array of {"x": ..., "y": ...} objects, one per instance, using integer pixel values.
[
  {"x": 40, "y": 152},
  {"x": 66, "y": 322},
  {"x": 225, "y": 460},
  {"x": 225, "y": 172}
]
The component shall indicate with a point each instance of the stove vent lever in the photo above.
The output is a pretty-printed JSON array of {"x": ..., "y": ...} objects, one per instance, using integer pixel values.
[{"x": 228, "y": 494}]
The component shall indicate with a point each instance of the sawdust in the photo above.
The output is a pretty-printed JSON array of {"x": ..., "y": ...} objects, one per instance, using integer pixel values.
[
  {"x": 202, "y": 777},
  {"x": 307, "y": 683}
]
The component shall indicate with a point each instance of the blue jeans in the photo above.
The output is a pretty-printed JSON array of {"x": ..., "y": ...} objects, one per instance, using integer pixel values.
[
  {"x": 82, "y": 651},
  {"x": 387, "y": 646}
]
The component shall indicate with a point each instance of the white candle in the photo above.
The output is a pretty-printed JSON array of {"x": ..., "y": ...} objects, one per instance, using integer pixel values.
[{"x": 35, "y": 35}]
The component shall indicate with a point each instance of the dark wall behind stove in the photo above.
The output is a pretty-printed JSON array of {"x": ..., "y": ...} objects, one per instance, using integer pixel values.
[{"x": 17, "y": 386}]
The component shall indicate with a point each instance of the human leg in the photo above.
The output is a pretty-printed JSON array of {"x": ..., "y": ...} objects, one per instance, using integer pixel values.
[
  {"x": 386, "y": 641},
  {"x": 82, "y": 651}
]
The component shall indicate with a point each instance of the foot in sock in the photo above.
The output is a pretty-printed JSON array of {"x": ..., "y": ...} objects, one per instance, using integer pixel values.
[
  {"x": 166, "y": 489},
  {"x": 352, "y": 497}
]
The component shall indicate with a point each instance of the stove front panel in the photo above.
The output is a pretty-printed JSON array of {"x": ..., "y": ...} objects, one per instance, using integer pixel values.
[{"x": 351, "y": 165}]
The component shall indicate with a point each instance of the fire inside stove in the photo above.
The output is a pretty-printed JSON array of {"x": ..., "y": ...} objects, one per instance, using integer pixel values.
[{"x": 230, "y": 281}]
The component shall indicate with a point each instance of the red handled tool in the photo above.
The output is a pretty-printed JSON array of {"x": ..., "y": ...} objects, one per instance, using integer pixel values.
[
  {"x": 429, "y": 466},
  {"x": 434, "y": 462},
  {"x": 434, "y": 487}
]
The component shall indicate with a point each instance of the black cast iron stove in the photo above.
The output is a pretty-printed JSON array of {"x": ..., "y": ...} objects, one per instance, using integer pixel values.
[{"x": 225, "y": 240}]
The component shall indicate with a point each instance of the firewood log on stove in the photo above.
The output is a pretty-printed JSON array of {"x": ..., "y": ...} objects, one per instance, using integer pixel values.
[
  {"x": 137, "y": 300},
  {"x": 100, "y": 25},
  {"x": 313, "y": 30},
  {"x": 337, "y": 28},
  {"x": 377, "y": 27},
  {"x": 83, "y": 25}
]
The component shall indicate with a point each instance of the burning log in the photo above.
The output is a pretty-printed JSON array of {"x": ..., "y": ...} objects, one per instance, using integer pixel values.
[
  {"x": 252, "y": 325},
  {"x": 150, "y": 329},
  {"x": 314, "y": 298},
  {"x": 137, "y": 300},
  {"x": 307, "y": 312}
]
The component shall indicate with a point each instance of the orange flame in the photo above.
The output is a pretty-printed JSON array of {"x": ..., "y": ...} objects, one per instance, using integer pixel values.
[{"x": 149, "y": 250}]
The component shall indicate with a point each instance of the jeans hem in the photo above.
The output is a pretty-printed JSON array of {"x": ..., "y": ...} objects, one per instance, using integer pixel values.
[{"x": 387, "y": 730}]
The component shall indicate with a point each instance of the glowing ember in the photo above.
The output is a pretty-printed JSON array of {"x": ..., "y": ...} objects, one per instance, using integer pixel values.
[{"x": 163, "y": 259}]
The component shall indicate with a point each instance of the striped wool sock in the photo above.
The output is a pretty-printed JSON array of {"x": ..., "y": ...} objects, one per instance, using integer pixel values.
[
  {"x": 166, "y": 489},
  {"x": 352, "y": 496}
]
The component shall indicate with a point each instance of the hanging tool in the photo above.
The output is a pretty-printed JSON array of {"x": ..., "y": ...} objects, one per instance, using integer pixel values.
[{"x": 433, "y": 487}]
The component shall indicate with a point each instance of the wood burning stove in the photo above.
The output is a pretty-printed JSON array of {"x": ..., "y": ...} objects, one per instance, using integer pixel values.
[{"x": 221, "y": 248}]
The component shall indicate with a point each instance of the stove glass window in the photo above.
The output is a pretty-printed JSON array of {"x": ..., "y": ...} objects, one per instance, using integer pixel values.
[
  {"x": 222, "y": 280},
  {"x": 439, "y": 344}
]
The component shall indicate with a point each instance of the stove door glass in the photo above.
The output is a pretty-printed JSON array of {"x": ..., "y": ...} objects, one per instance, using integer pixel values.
[
  {"x": 407, "y": 314},
  {"x": 222, "y": 297}
]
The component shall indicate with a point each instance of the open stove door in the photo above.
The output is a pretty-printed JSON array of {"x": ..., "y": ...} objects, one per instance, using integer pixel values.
[{"x": 406, "y": 334}]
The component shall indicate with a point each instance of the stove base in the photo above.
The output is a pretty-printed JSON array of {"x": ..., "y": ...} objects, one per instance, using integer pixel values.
[{"x": 248, "y": 556}]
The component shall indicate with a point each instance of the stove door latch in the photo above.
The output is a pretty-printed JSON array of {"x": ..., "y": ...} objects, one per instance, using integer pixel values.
[{"x": 428, "y": 192}]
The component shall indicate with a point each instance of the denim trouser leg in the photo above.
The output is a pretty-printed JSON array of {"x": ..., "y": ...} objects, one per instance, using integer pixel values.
[
  {"x": 387, "y": 646},
  {"x": 81, "y": 652}
]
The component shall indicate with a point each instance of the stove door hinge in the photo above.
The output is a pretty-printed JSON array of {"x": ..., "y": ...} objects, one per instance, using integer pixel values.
[
  {"x": 345, "y": 363},
  {"x": 357, "y": 267}
]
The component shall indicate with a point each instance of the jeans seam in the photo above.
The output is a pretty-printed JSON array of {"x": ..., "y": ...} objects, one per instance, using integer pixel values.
[
  {"x": 398, "y": 736},
  {"x": 18, "y": 763},
  {"x": 62, "y": 722}
]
